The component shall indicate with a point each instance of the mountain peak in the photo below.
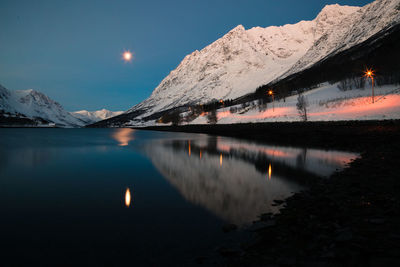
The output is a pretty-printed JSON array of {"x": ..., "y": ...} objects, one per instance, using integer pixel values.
[
  {"x": 3, "y": 92},
  {"x": 332, "y": 14},
  {"x": 238, "y": 28},
  {"x": 335, "y": 10},
  {"x": 94, "y": 116}
]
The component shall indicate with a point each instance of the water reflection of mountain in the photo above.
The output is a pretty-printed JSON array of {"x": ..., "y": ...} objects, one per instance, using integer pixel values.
[
  {"x": 25, "y": 157},
  {"x": 230, "y": 178}
]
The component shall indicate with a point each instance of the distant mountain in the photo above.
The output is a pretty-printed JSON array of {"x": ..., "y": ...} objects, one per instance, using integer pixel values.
[
  {"x": 94, "y": 116},
  {"x": 244, "y": 60},
  {"x": 33, "y": 108}
]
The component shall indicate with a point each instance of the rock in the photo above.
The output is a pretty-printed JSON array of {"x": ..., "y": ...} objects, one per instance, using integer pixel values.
[
  {"x": 378, "y": 262},
  {"x": 200, "y": 260},
  {"x": 230, "y": 251},
  {"x": 279, "y": 202},
  {"x": 394, "y": 236},
  {"x": 266, "y": 216},
  {"x": 258, "y": 226},
  {"x": 377, "y": 221},
  {"x": 286, "y": 261},
  {"x": 328, "y": 255},
  {"x": 229, "y": 228},
  {"x": 344, "y": 235}
]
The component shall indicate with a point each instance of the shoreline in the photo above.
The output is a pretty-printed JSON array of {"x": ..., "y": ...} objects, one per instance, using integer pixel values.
[
  {"x": 351, "y": 219},
  {"x": 350, "y": 135}
]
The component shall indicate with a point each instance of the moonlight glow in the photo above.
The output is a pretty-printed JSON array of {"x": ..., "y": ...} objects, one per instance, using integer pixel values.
[{"x": 127, "y": 56}]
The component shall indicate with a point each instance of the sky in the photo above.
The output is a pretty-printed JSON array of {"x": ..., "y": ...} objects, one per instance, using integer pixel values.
[{"x": 71, "y": 50}]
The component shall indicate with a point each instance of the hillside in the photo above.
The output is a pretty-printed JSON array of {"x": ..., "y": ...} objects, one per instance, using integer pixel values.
[{"x": 33, "y": 108}]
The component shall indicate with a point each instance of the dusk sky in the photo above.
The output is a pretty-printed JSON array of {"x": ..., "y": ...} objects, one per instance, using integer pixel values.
[{"x": 72, "y": 50}]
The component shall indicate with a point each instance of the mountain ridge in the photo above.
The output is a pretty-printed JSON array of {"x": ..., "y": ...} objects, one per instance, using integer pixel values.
[
  {"x": 33, "y": 107},
  {"x": 239, "y": 62},
  {"x": 90, "y": 117}
]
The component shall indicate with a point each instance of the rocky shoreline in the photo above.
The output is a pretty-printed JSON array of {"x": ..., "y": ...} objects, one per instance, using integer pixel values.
[{"x": 351, "y": 219}]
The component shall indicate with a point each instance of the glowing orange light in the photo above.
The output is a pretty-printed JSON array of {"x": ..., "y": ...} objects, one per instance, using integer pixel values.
[
  {"x": 271, "y": 93},
  {"x": 369, "y": 73},
  {"x": 190, "y": 151},
  {"x": 269, "y": 172},
  {"x": 220, "y": 159},
  {"x": 127, "y": 56},
  {"x": 200, "y": 154},
  {"x": 127, "y": 197}
]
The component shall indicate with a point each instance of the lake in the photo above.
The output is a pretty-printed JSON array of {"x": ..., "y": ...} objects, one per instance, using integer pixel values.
[{"x": 115, "y": 196}]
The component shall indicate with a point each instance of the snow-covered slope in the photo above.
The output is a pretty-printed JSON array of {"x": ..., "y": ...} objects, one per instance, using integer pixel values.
[
  {"x": 93, "y": 116},
  {"x": 241, "y": 61},
  {"x": 354, "y": 29},
  {"x": 33, "y": 104},
  {"x": 326, "y": 103}
]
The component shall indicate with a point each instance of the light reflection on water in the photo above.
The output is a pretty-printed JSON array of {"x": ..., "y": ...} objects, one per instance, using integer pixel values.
[
  {"x": 123, "y": 136},
  {"x": 229, "y": 176},
  {"x": 127, "y": 198},
  {"x": 269, "y": 171}
]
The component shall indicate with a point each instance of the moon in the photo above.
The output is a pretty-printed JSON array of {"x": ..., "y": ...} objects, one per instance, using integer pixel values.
[{"x": 127, "y": 56}]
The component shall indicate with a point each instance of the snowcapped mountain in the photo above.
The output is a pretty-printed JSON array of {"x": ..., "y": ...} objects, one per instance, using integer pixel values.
[
  {"x": 367, "y": 21},
  {"x": 241, "y": 61},
  {"x": 244, "y": 60},
  {"x": 33, "y": 107},
  {"x": 94, "y": 116}
]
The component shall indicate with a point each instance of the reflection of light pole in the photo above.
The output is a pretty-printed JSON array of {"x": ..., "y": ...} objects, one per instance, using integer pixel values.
[
  {"x": 271, "y": 93},
  {"x": 369, "y": 73},
  {"x": 269, "y": 172}
]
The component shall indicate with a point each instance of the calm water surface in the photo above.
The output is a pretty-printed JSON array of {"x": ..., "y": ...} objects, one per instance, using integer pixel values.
[{"x": 113, "y": 196}]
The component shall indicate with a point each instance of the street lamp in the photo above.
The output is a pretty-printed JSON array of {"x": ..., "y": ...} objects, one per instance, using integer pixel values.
[
  {"x": 271, "y": 93},
  {"x": 369, "y": 73}
]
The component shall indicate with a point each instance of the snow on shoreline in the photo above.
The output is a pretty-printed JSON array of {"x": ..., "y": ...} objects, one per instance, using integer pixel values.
[{"x": 326, "y": 103}]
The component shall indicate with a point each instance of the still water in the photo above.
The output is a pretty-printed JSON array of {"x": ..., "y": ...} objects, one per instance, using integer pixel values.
[{"x": 113, "y": 196}]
